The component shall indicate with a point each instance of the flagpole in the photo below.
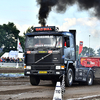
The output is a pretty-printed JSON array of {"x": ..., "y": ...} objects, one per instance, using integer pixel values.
[
  {"x": 19, "y": 48},
  {"x": 17, "y": 61},
  {"x": 18, "y": 53}
]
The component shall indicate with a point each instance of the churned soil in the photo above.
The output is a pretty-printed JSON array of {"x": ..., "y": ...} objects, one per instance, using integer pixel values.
[
  {"x": 11, "y": 70},
  {"x": 19, "y": 88}
]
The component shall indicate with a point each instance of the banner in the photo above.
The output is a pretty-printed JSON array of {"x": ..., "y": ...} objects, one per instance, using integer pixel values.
[
  {"x": 80, "y": 47},
  {"x": 13, "y": 54},
  {"x": 19, "y": 48}
]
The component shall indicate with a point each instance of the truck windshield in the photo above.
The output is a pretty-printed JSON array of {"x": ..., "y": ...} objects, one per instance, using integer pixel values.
[{"x": 43, "y": 41}]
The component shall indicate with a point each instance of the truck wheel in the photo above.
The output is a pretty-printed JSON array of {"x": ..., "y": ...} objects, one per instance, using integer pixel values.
[
  {"x": 69, "y": 77},
  {"x": 90, "y": 78},
  {"x": 34, "y": 80}
]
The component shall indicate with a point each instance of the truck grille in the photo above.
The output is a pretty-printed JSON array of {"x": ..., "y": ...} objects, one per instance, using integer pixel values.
[
  {"x": 30, "y": 58},
  {"x": 46, "y": 59},
  {"x": 37, "y": 58},
  {"x": 43, "y": 67}
]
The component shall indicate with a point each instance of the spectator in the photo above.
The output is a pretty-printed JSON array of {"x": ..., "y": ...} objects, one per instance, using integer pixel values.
[
  {"x": 8, "y": 60},
  {"x": 3, "y": 59},
  {"x": 12, "y": 60},
  {"x": 0, "y": 60},
  {"x": 20, "y": 60}
]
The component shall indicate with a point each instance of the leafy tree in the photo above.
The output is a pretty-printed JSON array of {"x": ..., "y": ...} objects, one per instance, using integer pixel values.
[
  {"x": 77, "y": 48},
  {"x": 92, "y": 52},
  {"x": 88, "y": 51},
  {"x": 98, "y": 52},
  {"x": 9, "y": 34},
  {"x": 2, "y": 35},
  {"x": 29, "y": 30},
  {"x": 84, "y": 51}
]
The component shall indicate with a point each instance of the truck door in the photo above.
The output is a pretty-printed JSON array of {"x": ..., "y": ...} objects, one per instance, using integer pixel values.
[{"x": 72, "y": 49}]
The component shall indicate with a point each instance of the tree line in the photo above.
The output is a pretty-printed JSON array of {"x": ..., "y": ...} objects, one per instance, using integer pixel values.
[
  {"x": 9, "y": 35},
  {"x": 87, "y": 52}
]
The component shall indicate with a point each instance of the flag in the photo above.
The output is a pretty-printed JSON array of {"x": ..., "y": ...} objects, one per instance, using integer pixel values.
[
  {"x": 19, "y": 48},
  {"x": 80, "y": 47}
]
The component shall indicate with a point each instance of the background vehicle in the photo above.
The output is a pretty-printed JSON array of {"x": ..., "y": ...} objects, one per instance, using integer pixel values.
[
  {"x": 92, "y": 62},
  {"x": 50, "y": 54}
]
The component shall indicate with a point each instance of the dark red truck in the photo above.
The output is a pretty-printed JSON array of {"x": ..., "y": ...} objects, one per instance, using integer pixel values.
[{"x": 92, "y": 62}]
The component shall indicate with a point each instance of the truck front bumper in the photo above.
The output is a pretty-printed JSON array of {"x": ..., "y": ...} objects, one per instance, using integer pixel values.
[{"x": 43, "y": 72}]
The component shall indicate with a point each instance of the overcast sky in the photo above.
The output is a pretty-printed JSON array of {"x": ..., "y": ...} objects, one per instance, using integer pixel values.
[{"x": 24, "y": 13}]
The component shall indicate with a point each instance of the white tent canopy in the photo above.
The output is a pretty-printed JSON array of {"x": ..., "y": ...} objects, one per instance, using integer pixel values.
[{"x": 6, "y": 54}]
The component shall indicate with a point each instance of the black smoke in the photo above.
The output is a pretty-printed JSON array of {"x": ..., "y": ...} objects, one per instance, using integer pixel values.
[
  {"x": 45, "y": 8},
  {"x": 88, "y": 4},
  {"x": 61, "y": 7}
]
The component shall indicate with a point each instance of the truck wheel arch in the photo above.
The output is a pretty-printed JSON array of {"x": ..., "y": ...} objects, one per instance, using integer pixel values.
[
  {"x": 70, "y": 74},
  {"x": 70, "y": 65}
]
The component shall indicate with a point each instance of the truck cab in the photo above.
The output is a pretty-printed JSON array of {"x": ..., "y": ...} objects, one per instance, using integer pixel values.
[{"x": 49, "y": 54}]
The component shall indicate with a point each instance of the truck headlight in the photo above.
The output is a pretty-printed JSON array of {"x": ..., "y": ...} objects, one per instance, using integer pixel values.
[
  {"x": 28, "y": 72},
  {"x": 60, "y": 67},
  {"x": 57, "y": 67},
  {"x": 28, "y": 67},
  {"x": 57, "y": 72}
]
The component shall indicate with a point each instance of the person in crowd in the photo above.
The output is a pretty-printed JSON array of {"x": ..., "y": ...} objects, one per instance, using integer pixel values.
[
  {"x": 11, "y": 60},
  {"x": 0, "y": 60},
  {"x": 8, "y": 60},
  {"x": 3, "y": 59}
]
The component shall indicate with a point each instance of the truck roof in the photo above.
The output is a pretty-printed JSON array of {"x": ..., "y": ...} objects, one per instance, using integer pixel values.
[
  {"x": 51, "y": 33},
  {"x": 51, "y": 30}
]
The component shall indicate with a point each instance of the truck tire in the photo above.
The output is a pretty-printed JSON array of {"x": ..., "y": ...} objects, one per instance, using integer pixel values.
[
  {"x": 90, "y": 78},
  {"x": 34, "y": 80},
  {"x": 69, "y": 77}
]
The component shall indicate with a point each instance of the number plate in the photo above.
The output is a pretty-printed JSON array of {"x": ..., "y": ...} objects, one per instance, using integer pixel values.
[{"x": 42, "y": 72}]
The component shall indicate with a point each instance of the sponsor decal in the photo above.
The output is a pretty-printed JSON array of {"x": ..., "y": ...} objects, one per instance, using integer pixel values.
[
  {"x": 43, "y": 29},
  {"x": 56, "y": 51},
  {"x": 42, "y": 51},
  {"x": 33, "y": 51},
  {"x": 43, "y": 37}
]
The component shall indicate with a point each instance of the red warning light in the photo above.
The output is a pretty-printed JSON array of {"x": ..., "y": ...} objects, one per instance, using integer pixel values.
[
  {"x": 43, "y": 29},
  {"x": 39, "y": 29}
]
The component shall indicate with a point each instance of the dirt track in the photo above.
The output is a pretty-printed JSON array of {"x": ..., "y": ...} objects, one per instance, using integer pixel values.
[
  {"x": 11, "y": 70},
  {"x": 20, "y": 89}
]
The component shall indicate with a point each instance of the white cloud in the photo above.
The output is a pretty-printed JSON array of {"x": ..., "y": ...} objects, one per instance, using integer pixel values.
[
  {"x": 84, "y": 27},
  {"x": 88, "y": 21},
  {"x": 68, "y": 23},
  {"x": 22, "y": 28}
]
